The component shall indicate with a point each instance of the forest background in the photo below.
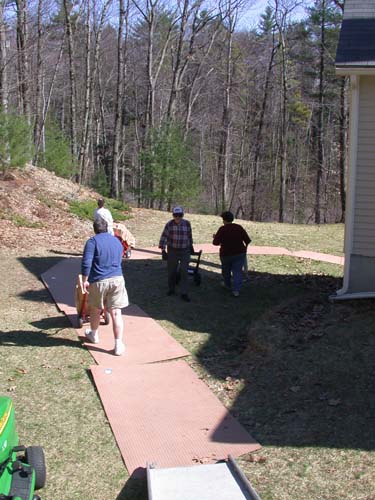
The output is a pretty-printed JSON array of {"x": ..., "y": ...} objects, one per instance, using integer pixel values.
[{"x": 157, "y": 102}]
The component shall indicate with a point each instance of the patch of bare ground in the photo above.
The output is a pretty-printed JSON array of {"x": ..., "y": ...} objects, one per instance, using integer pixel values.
[{"x": 34, "y": 212}]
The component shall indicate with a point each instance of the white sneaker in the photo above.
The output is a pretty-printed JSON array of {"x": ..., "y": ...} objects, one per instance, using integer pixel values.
[
  {"x": 119, "y": 349},
  {"x": 94, "y": 339},
  {"x": 236, "y": 294}
]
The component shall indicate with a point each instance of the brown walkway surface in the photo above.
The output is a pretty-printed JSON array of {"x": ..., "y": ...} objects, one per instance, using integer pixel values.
[
  {"x": 207, "y": 248},
  {"x": 146, "y": 340},
  {"x": 160, "y": 412},
  {"x": 163, "y": 413}
]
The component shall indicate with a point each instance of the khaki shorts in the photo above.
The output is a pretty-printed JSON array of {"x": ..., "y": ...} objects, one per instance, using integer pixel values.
[{"x": 109, "y": 294}]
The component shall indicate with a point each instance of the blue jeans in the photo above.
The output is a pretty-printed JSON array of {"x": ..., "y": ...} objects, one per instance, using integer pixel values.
[{"x": 232, "y": 266}]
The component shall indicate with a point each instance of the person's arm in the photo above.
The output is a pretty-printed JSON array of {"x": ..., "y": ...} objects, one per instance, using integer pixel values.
[
  {"x": 217, "y": 238},
  {"x": 87, "y": 258},
  {"x": 190, "y": 237},
  {"x": 246, "y": 237},
  {"x": 164, "y": 238},
  {"x": 110, "y": 218}
]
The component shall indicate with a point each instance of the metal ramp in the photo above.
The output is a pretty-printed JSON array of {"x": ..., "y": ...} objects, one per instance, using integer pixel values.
[{"x": 221, "y": 481}]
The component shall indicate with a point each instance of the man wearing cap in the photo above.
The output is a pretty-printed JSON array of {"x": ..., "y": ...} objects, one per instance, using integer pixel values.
[
  {"x": 103, "y": 213},
  {"x": 178, "y": 240}
]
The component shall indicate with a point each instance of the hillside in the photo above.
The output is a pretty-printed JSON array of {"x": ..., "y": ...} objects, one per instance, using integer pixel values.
[{"x": 34, "y": 211}]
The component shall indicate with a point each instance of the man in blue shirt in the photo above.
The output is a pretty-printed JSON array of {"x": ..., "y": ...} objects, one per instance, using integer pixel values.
[{"x": 103, "y": 280}]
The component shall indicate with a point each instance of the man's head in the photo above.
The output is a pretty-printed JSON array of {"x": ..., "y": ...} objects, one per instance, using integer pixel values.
[
  {"x": 101, "y": 202},
  {"x": 100, "y": 226},
  {"x": 178, "y": 212},
  {"x": 227, "y": 217}
]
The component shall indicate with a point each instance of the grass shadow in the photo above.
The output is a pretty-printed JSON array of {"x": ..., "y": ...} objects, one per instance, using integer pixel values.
[
  {"x": 39, "y": 338},
  {"x": 295, "y": 369},
  {"x": 39, "y": 265},
  {"x": 134, "y": 489}
]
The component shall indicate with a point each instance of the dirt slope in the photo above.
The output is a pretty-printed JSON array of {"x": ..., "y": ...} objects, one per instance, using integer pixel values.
[{"x": 34, "y": 212}]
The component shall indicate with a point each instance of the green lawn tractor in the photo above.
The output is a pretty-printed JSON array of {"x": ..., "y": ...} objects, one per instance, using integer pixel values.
[{"x": 22, "y": 470}]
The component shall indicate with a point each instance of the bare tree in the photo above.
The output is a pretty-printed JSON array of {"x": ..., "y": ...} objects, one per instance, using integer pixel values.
[
  {"x": 72, "y": 78},
  {"x": 39, "y": 68},
  {"x": 122, "y": 48},
  {"x": 230, "y": 13},
  {"x": 3, "y": 59},
  {"x": 23, "y": 60}
]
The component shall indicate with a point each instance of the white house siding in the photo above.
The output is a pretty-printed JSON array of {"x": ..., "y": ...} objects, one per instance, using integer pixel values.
[
  {"x": 364, "y": 204},
  {"x": 356, "y": 9}
]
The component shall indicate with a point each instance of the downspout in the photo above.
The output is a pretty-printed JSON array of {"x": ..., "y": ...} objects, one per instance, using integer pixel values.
[{"x": 350, "y": 193}]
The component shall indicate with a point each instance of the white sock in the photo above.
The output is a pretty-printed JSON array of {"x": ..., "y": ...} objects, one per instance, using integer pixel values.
[
  {"x": 94, "y": 332},
  {"x": 118, "y": 342}
]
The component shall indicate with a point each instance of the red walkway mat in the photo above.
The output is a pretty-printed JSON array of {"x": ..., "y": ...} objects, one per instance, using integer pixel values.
[
  {"x": 60, "y": 281},
  {"x": 146, "y": 340},
  {"x": 208, "y": 248},
  {"x": 164, "y": 414}
]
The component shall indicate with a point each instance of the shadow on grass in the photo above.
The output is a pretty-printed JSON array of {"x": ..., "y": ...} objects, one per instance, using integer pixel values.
[
  {"x": 134, "y": 489},
  {"x": 40, "y": 338},
  {"x": 39, "y": 265},
  {"x": 295, "y": 369}
]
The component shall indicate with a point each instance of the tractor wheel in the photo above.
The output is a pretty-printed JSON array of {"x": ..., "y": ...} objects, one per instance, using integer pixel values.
[{"x": 35, "y": 458}]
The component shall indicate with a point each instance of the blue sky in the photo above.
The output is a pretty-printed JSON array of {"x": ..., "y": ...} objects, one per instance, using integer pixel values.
[{"x": 251, "y": 17}]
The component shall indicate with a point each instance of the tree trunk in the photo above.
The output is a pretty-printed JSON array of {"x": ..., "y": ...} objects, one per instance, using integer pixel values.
[
  {"x": 38, "y": 97},
  {"x": 224, "y": 146},
  {"x": 91, "y": 72},
  {"x": 320, "y": 122},
  {"x": 72, "y": 80},
  {"x": 343, "y": 121},
  {"x": 283, "y": 136},
  {"x": 23, "y": 61},
  {"x": 120, "y": 87},
  {"x": 258, "y": 141},
  {"x": 3, "y": 61}
]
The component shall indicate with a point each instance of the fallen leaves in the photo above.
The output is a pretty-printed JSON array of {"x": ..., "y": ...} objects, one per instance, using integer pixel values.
[
  {"x": 22, "y": 371},
  {"x": 257, "y": 459},
  {"x": 204, "y": 459}
]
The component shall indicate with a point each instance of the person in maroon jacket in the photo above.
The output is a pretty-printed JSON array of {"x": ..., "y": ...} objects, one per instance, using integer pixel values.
[{"x": 233, "y": 241}]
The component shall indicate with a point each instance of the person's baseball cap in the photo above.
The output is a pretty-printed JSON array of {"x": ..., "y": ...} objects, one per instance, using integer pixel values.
[{"x": 177, "y": 211}]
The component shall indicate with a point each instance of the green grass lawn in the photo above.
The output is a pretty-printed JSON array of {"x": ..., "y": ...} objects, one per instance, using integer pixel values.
[
  {"x": 295, "y": 369},
  {"x": 325, "y": 238}
]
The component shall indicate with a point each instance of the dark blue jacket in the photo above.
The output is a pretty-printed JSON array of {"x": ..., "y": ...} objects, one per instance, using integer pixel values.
[{"x": 102, "y": 257}]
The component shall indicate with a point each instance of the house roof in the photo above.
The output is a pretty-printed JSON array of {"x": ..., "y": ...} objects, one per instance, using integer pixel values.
[{"x": 356, "y": 48}]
